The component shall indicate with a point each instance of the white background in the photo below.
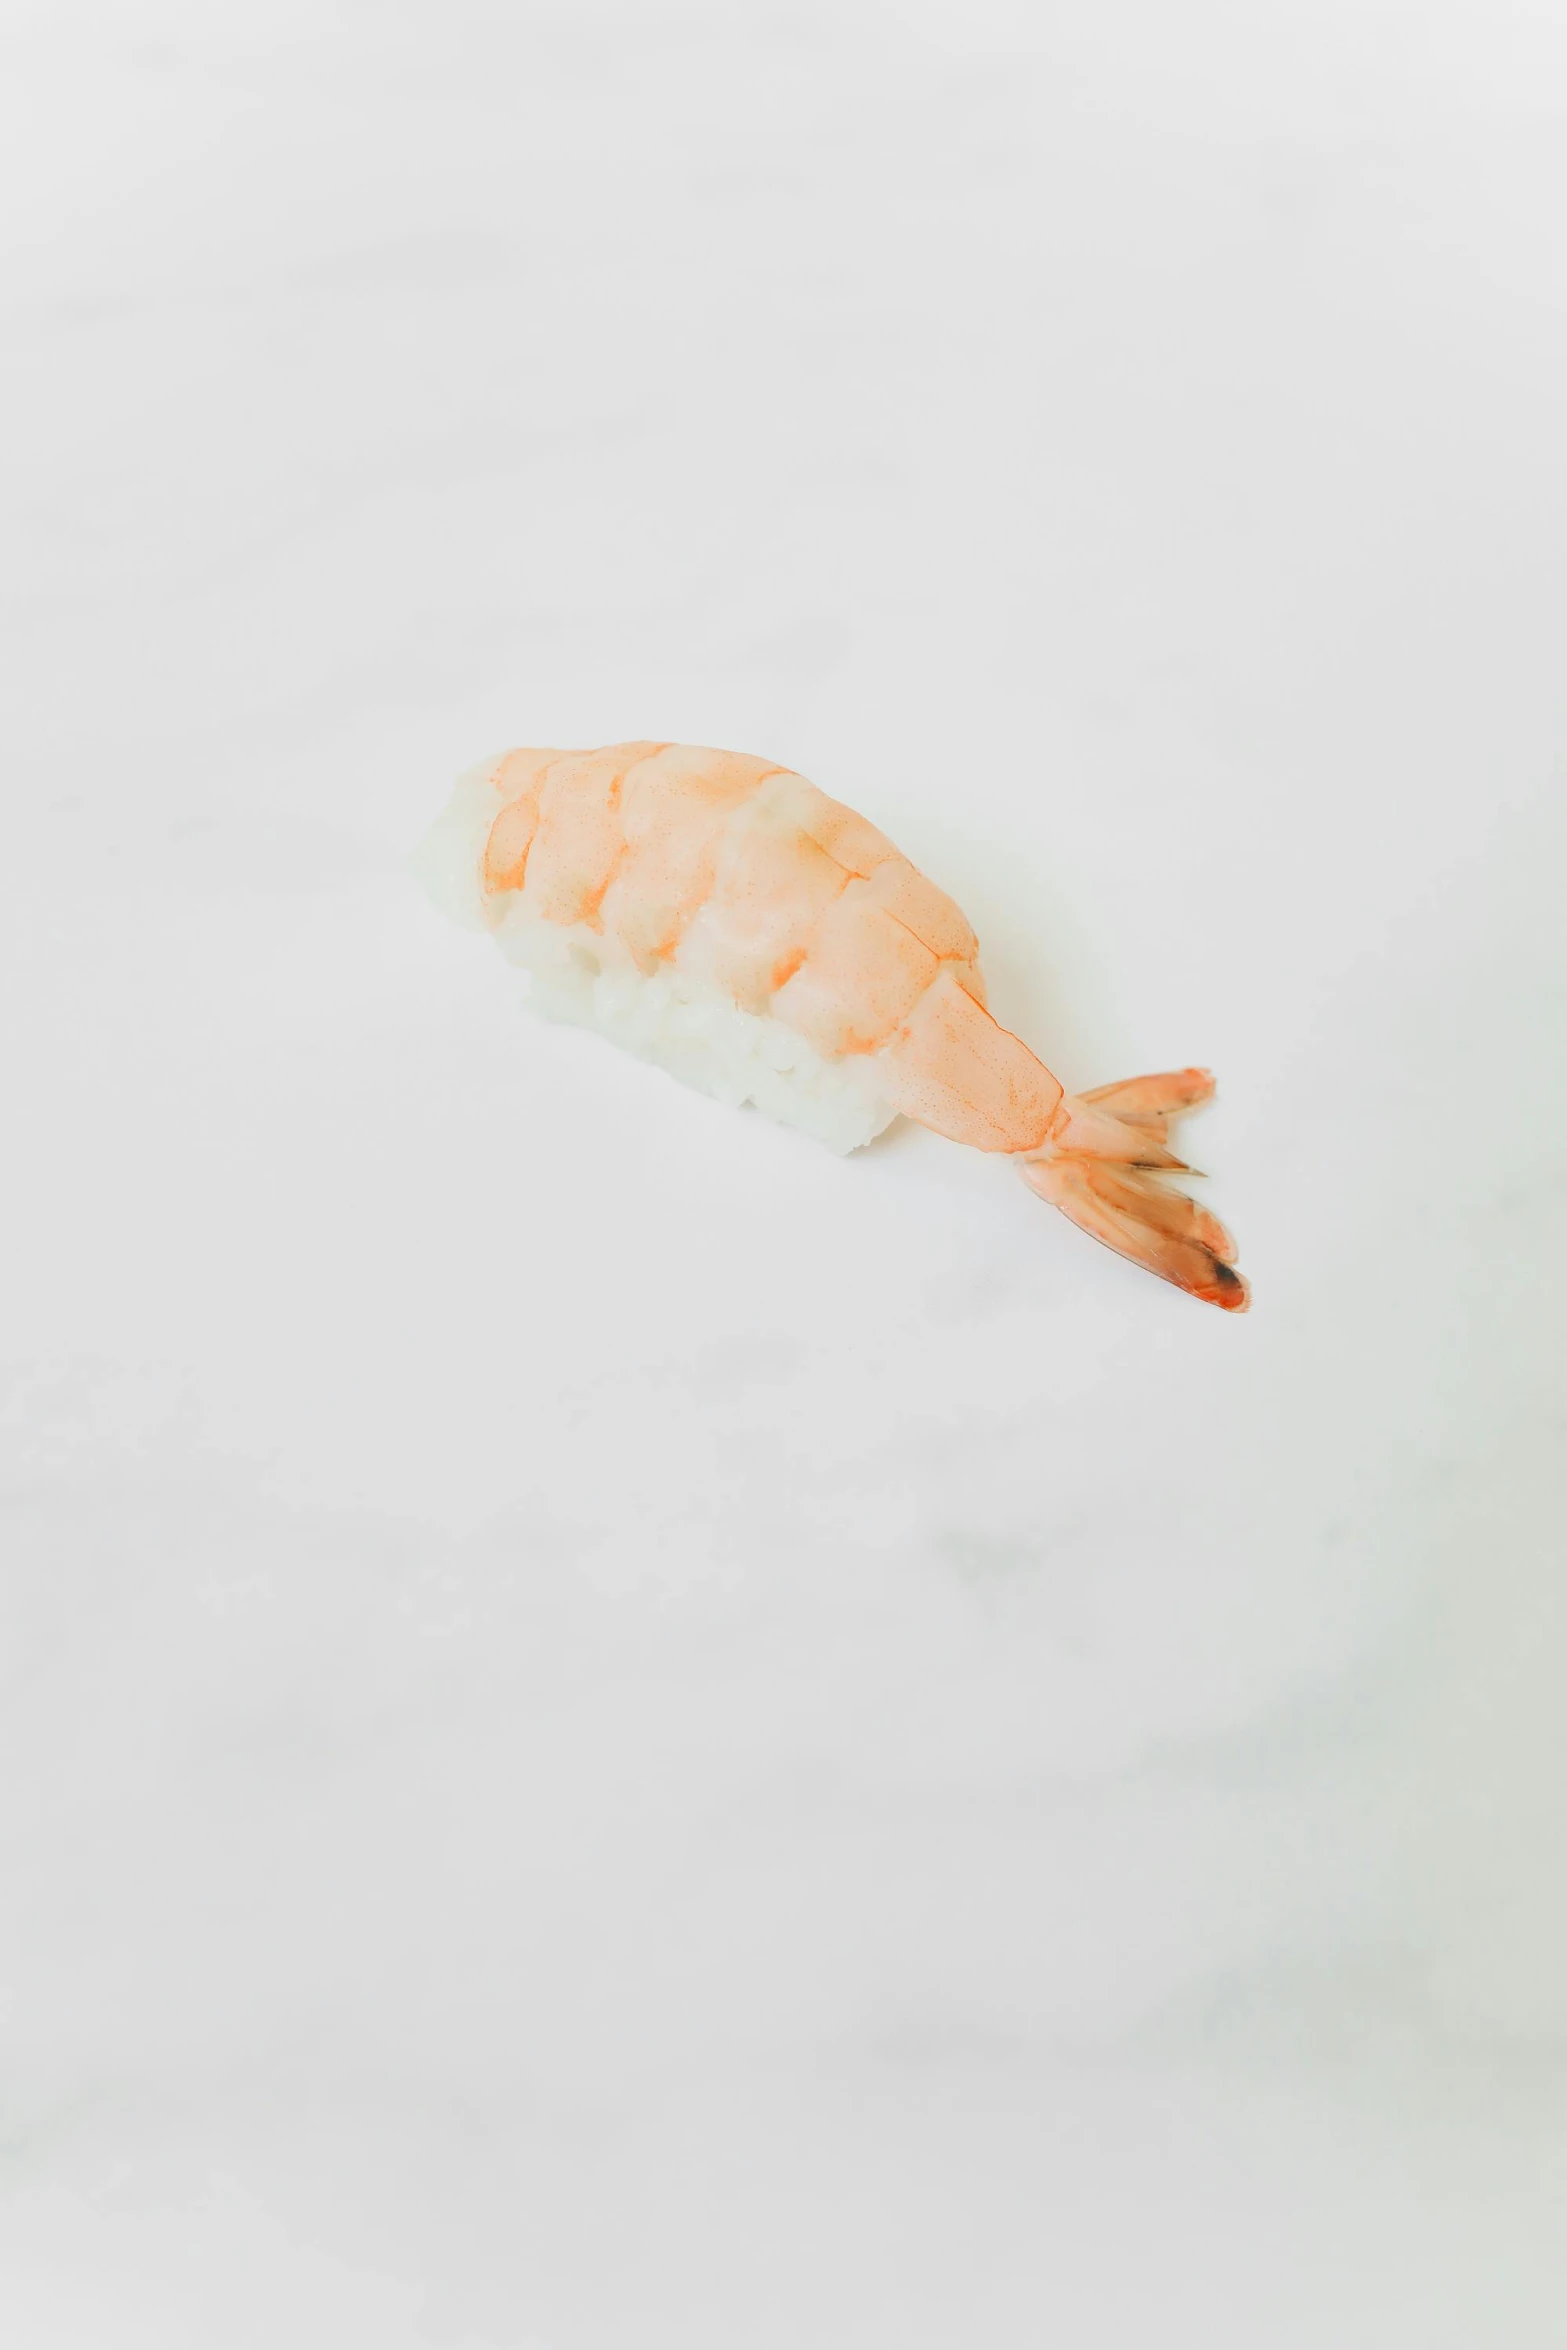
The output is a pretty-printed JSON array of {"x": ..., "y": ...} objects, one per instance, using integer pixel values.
[{"x": 616, "y": 1733}]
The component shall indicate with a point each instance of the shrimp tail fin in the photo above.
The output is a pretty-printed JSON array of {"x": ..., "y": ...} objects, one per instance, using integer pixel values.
[{"x": 1101, "y": 1165}]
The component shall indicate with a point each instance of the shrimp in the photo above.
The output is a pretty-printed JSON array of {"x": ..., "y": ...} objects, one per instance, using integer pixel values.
[{"x": 718, "y": 913}]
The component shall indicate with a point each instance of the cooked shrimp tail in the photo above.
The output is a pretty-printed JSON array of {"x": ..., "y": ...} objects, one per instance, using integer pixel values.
[
  {"x": 1151, "y": 1101},
  {"x": 1101, "y": 1166}
]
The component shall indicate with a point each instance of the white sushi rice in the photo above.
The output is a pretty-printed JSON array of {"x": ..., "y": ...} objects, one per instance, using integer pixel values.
[{"x": 682, "y": 1023}]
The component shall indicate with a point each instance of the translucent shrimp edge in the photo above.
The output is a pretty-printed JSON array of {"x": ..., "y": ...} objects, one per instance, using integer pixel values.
[{"x": 679, "y": 1022}]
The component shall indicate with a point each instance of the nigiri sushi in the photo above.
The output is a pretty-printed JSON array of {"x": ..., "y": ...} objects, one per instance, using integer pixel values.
[{"x": 718, "y": 914}]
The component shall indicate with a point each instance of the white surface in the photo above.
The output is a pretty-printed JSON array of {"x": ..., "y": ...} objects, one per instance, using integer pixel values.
[{"x": 616, "y": 1732}]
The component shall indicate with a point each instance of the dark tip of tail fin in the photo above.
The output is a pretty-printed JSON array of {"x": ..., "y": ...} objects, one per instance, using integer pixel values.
[{"x": 1231, "y": 1290}]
